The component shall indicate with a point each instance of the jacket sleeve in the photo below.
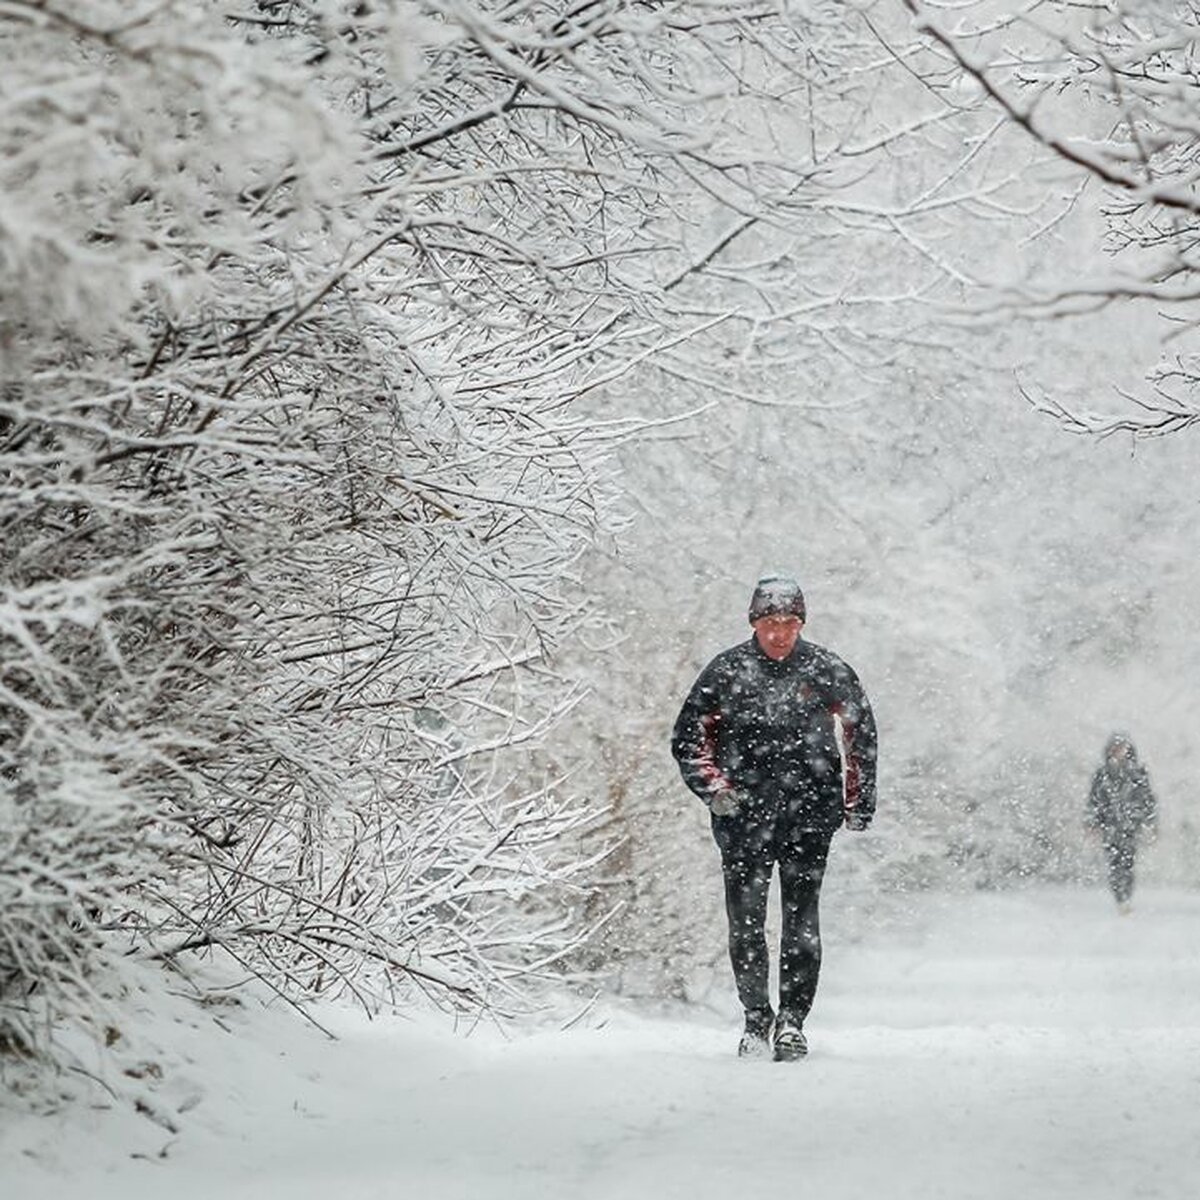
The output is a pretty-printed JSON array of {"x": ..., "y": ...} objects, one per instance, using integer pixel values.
[
  {"x": 860, "y": 742},
  {"x": 694, "y": 740},
  {"x": 1146, "y": 805},
  {"x": 1096, "y": 816}
]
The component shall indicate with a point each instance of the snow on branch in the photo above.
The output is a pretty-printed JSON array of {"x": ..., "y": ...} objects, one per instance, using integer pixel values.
[{"x": 315, "y": 315}]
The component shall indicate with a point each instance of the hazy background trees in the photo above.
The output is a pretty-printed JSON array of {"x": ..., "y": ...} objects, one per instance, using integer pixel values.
[{"x": 1009, "y": 594}]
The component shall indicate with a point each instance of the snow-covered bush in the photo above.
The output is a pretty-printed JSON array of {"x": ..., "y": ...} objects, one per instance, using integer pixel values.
[{"x": 301, "y": 300}]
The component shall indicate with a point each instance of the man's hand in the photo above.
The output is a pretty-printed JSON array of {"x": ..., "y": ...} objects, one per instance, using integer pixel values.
[
  {"x": 857, "y": 820},
  {"x": 726, "y": 803}
]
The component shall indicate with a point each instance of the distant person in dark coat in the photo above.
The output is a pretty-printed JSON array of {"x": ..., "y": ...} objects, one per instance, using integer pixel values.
[
  {"x": 758, "y": 740},
  {"x": 1121, "y": 808}
]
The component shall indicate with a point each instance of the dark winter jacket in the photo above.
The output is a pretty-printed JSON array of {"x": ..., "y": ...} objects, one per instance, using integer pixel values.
[
  {"x": 1121, "y": 802},
  {"x": 767, "y": 730}
]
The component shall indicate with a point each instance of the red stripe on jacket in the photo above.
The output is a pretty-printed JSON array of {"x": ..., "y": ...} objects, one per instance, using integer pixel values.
[
  {"x": 852, "y": 775},
  {"x": 706, "y": 756}
]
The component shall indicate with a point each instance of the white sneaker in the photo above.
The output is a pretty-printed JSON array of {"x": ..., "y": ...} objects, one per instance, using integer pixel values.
[
  {"x": 754, "y": 1045},
  {"x": 755, "y": 1041},
  {"x": 790, "y": 1042}
]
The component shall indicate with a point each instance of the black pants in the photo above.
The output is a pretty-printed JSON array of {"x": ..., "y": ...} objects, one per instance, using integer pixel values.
[
  {"x": 1120, "y": 848},
  {"x": 749, "y": 854}
]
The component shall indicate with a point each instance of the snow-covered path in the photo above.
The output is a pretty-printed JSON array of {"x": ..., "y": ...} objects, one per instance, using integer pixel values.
[{"x": 1031, "y": 1044}]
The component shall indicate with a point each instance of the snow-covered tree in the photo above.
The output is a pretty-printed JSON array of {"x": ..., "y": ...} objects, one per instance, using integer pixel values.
[
  {"x": 311, "y": 308},
  {"x": 1106, "y": 93}
]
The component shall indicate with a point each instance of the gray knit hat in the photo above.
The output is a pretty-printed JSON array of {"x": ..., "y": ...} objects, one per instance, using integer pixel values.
[{"x": 776, "y": 595}]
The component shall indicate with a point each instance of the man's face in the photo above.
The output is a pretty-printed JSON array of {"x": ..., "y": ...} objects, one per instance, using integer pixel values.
[{"x": 777, "y": 634}]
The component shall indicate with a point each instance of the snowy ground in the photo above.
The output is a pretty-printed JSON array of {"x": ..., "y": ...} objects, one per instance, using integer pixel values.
[{"x": 1021, "y": 1045}]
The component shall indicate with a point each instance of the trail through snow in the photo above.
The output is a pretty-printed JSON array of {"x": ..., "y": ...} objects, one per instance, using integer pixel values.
[{"x": 972, "y": 1047}]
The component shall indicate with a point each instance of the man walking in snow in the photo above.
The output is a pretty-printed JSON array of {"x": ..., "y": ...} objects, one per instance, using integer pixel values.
[
  {"x": 757, "y": 740},
  {"x": 1120, "y": 808}
]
